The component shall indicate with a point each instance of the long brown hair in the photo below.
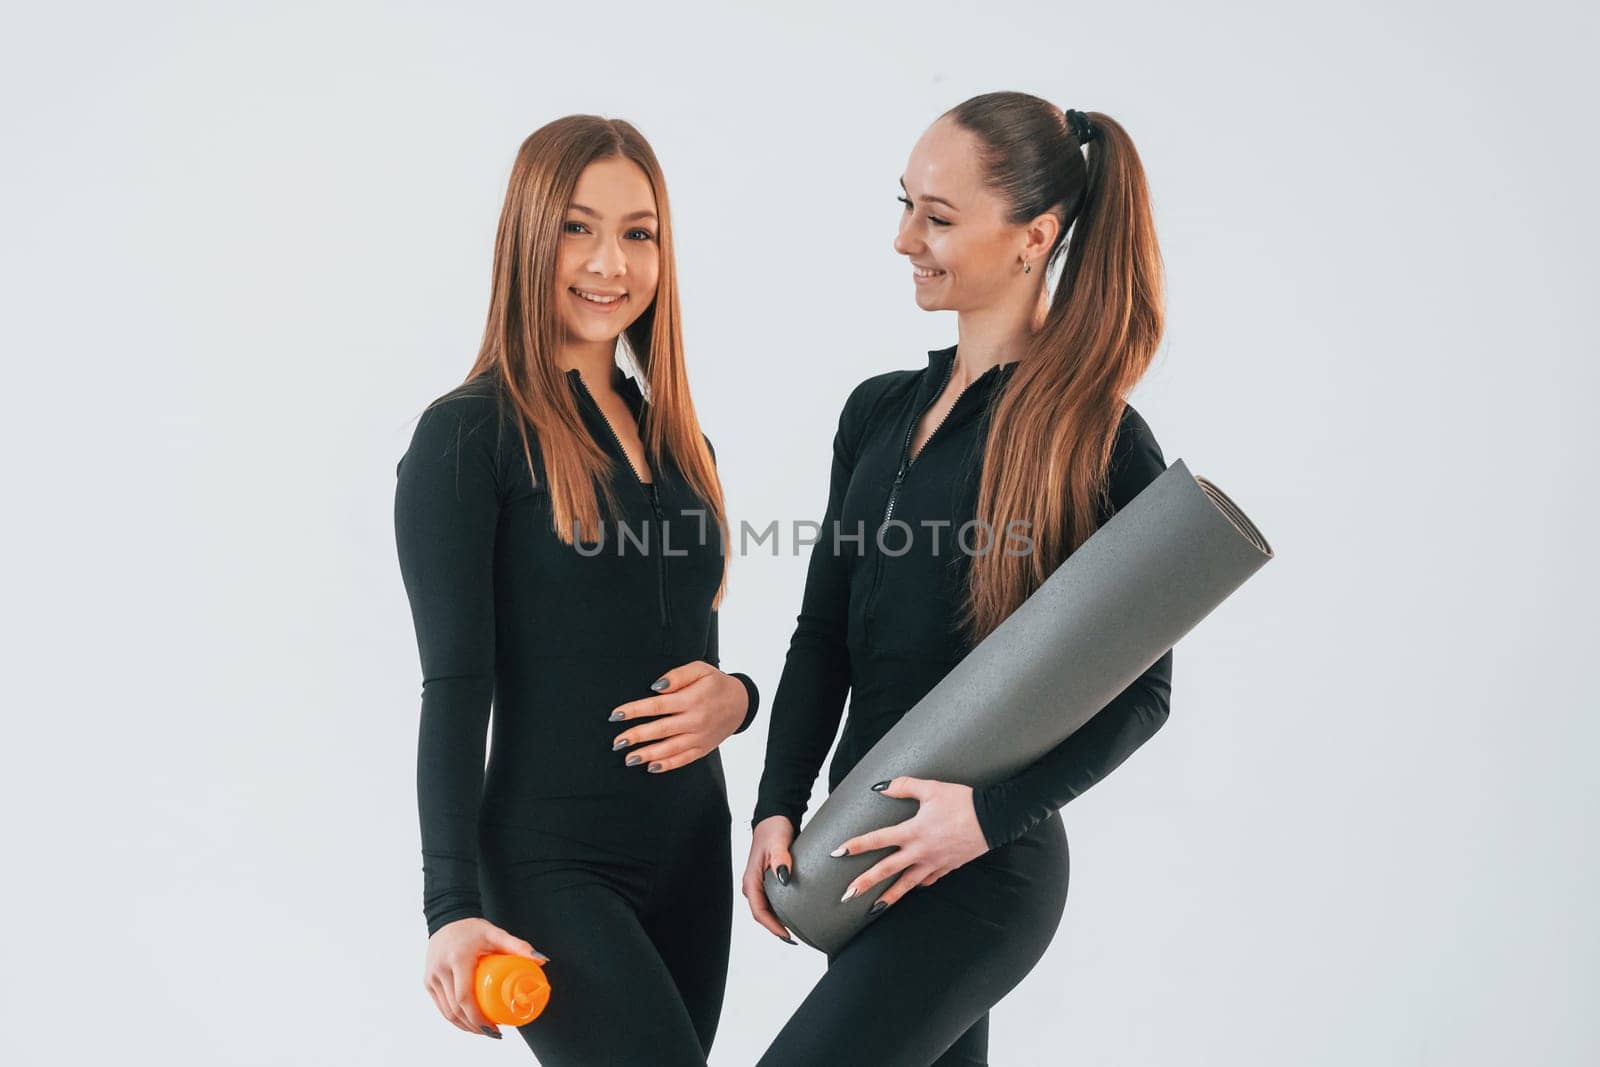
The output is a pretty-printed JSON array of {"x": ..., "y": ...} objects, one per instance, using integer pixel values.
[
  {"x": 1053, "y": 426},
  {"x": 523, "y": 332}
]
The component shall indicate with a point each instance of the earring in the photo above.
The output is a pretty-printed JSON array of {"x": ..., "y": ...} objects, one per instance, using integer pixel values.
[{"x": 1027, "y": 267}]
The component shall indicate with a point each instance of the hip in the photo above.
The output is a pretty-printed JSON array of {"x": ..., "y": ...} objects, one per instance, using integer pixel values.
[
  {"x": 637, "y": 816},
  {"x": 1017, "y": 891}
]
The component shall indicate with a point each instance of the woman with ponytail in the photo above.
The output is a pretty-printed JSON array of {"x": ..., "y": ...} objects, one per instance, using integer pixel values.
[
  {"x": 552, "y": 525},
  {"x": 971, "y": 479}
]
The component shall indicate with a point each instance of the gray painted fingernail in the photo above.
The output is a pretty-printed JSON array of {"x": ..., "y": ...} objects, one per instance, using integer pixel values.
[
  {"x": 783, "y": 874},
  {"x": 877, "y": 906},
  {"x": 659, "y": 684},
  {"x": 621, "y": 742},
  {"x": 490, "y": 1033},
  {"x": 633, "y": 760},
  {"x": 617, "y": 716}
]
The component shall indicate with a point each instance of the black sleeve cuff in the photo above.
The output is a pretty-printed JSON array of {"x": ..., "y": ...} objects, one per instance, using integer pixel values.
[
  {"x": 992, "y": 804},
  {"x": 468, "y": 908},
  {"x": 754, "y": 696},
  {"x": 766, "y": 811}
]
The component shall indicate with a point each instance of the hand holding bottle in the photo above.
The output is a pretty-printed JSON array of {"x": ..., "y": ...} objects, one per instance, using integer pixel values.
[{"x": 451, "y": 969}]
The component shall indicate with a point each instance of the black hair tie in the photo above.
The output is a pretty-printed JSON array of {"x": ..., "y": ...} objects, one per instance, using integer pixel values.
[{"x": 1082, "y": 128}]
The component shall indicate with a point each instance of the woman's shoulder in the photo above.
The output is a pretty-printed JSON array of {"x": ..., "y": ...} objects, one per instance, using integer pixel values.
[
  {"x": 870, "y": 394},
  {"x": 467, "y": 418},
  {"x": 1134, "y": 429},
  {"x": 476, "y": 398},
  {"x": 1136, "y": 458},
  {"x": 861, "y": 407}
]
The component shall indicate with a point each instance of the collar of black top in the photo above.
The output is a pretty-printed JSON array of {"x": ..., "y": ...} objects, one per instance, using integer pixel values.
[
  {"x": 941, "y": 358},
  {"x": 624, "y": 383}
]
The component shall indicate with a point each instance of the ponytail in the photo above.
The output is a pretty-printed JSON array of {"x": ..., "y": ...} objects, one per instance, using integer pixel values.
[{"x": 1052, "y": 429}]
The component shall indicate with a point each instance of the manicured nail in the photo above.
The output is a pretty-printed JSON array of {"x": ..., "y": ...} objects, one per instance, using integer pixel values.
[
  {"x": 881, "y": 786},
  {"x": 489, "y": 1033},
  {"x": 659, "y": 684},
  {"x": 877, "y": 906},
  {"x": 848, "y": 893},
  {"x": 633, "y": 760},
  {"x": 791, "y": 941},
  {"x": 838, "y": 851},
  {"x": 617, "y": 716},
  {"x": 621, "y": 742},
  {"x": 653, "y": 768},
  {"x": 783, "y": 874}
]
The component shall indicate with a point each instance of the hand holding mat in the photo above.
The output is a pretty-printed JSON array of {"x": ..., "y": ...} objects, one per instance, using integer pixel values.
[{"x": 1123, "y": 598}]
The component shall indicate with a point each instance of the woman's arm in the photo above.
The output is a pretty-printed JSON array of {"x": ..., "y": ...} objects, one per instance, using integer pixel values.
[
  {"x": 712, "y": 657},
  {"x": 713, "y": 653},
  {"x": 1009, "y": 809},
  {"x": 816, "y": 674},
  {"x": 446, "y": 508},
  {"x": 1006, "y": 810}
]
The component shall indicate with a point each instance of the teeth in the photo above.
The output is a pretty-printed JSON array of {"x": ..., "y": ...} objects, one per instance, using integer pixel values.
[
  {"x": 925, "y": 273},
  {"x": 596, "y": 299}
]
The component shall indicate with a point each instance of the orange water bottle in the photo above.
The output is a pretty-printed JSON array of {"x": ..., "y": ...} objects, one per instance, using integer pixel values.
[{"x": 510, "y": 990}]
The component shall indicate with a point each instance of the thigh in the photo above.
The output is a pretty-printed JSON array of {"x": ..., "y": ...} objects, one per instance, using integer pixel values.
[
  {"x": 971, "y": 1049},
  {"x": 915, "y": 986},
  {"x": 689, "y": 917},
  {"x": 612, "y": 999}
]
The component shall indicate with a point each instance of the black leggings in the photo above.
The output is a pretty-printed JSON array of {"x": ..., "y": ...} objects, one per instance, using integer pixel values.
[
  {"x": 915, "y": 987},
  {"x": 638, "y": 945}
]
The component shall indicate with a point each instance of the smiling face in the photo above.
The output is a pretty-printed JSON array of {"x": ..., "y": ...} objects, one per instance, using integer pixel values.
[
  {"x": 963, "y": 251},
  {"x": 609, "y": 257}
]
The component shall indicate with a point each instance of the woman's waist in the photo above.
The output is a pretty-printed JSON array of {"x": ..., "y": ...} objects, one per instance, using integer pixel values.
[
  {"x": 887, "y": 683},
  {"x": 566, "y": 683},
  {"x": 600, "y": 828},
  {"x": 884, "y": 686},
  {"x": 551, "y": 761},
  {"x": 864, "y": 727},
  {"x": 588, "y": 797},
  {"x": 623, "y": 656}
]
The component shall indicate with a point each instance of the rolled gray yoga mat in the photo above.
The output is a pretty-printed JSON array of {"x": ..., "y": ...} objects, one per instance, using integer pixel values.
[{"x": 1115, "y": 606}]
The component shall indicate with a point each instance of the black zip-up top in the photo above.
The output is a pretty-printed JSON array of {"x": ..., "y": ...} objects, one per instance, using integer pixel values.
[
  {"x": 554, "y": 635},
  {"x": 878, "y": 617}
]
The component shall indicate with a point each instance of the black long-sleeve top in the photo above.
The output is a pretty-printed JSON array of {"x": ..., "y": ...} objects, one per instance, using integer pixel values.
[
  {"x": 881, "y": 626},
  {"x": 553, "y": 635}
]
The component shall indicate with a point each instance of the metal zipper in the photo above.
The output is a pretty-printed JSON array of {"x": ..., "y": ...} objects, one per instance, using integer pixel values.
[
  {"x": 655, "y": 506},
  {"x": 905, "y": 446},
  {"x": 664, "y": 596},
  {"x": 905, "y": 465}
]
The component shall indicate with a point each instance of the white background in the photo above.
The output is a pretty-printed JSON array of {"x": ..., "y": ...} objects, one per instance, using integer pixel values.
[{"x": 243, "y": 246}]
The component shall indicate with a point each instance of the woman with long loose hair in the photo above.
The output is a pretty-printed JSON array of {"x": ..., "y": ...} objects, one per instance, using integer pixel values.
[
  {"x": 560, "y": 533},
  {"x": 1022, "y": 427}
]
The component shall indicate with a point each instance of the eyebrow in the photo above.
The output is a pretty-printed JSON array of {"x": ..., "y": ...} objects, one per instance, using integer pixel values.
[
  {"x": 592, "y": 213},
  {"x": 930, "y": 199}
]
